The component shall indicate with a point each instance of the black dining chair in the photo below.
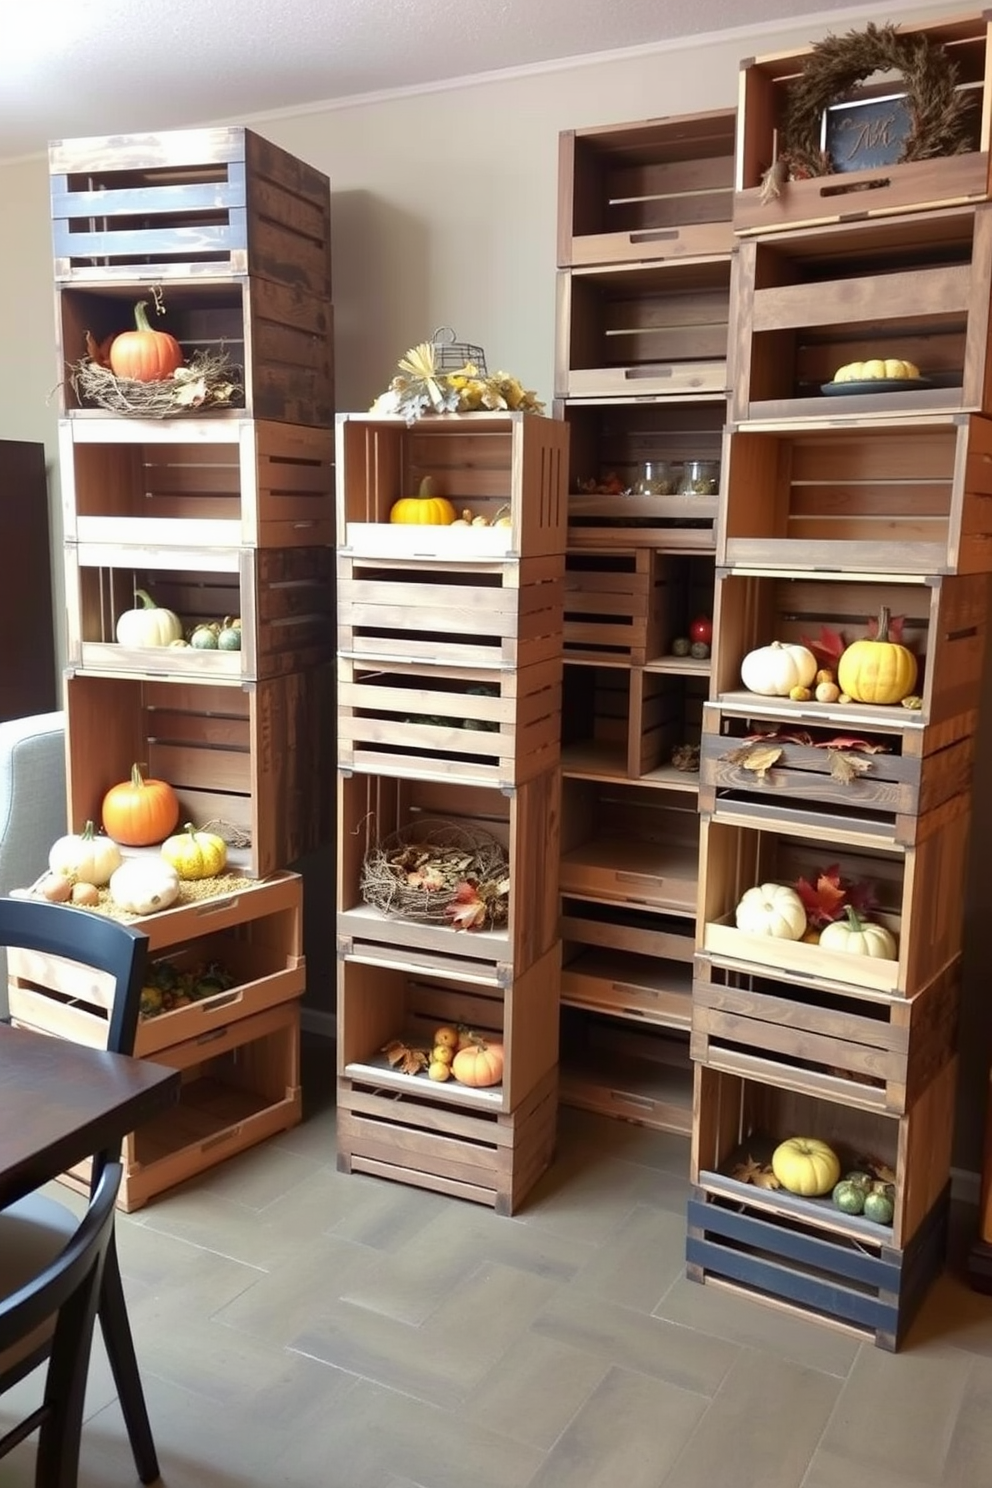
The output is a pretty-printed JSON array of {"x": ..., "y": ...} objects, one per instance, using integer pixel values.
[
  {"x": 105, "y": 945},
  {"x": 50, "y": 1315}
]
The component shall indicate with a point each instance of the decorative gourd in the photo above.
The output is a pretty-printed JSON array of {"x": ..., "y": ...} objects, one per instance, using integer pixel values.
[
  {"x": 144, "y": 354},
  {"x": 859, "y": 937},
  {"x": 140, "y": 812},
  {"x": 149, "y": 624},
  {"x": 85, "y": 857},
  {"x": 773, "y": 671},
  {"x": 204, "y": 637},
  {"x": 877, "y": 670},
  {"x": 479, "y": 1064},
  {"x": 805, "y": 1165},
  {"x": 195, "y": 854},
  {"x": 144, "y": 885},
  {"x": 895, "y": 369},
  {"x": 880, "y": 1204},
  {"x": 772, "y": 909},
  {"x": 229, "y": 635},
  {"x": 424, "y": 509},
  {"x": 849, "y": 1197}
]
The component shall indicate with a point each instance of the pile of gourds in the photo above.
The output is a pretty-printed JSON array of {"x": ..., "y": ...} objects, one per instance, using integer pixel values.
[
  {"x": 874, "y": 669},
  {"x": 150, "y": 624}
]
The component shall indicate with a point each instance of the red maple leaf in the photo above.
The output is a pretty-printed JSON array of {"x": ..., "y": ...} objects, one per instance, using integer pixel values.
[
  {"x": 828, "y": 649},
  {"x": 824, "y": 902},
  {"x": 896, "y": 623},
  {"x": 467, "y": 910}
]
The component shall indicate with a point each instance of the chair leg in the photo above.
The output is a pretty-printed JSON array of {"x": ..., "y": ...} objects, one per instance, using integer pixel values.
[{"x": 124, "y": 1364}]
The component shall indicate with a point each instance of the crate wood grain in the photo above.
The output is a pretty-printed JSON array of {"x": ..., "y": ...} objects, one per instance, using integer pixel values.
[
  {"x": 203, "y": 483},
  {"x": 630, "y": 844},
  {"x": 624, "y": 985},
  {"x": 652, "y": 330},
  {"x": 495, "y": 465},
  {"x": 661, "y": 189},
  {"x": 872, "y": 1051},
  {"x": 254, "y": 757},
  {"x": 625, "y": 723},
  {"x": 526, "y": 820},
  {"x": 490, "y": 1158},
  {"x": 838, "y": 497},
  {"x": 900, "y": 188},
  {"x": 467, "y": 723},
  {"x": 283, "y": 596},
  {"x": 945, "y": 625},
  {"x": 152, "y": 207},
  {"x": 278, "y": 338},
  {"x": 614, "y": 604},
  {"x": 917, "y": 889},
  {"x": 639, "y": 1074},
  {"x": 738, "y": 1116},
  {"x": 810, "y": 302}
]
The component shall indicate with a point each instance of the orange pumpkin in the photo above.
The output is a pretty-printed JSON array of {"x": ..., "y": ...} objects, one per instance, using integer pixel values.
[
  {"x": 480, "y": 1064},
  {"x": 140, "y": 812},
  {"x": 144, "y": 354}
]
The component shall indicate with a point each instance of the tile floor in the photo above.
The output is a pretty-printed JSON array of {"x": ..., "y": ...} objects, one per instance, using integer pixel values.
[{"x": 300, "y": 1328}]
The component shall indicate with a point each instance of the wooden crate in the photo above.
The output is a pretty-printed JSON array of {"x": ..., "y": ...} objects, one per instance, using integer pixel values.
[
  {"x": 740, "y": 1116},
  {"x": 906, "y": 775},
  {"x": 835, "y": 497},
  {"x": 657, "y": 330},
  {"x": 635, "y": 192},
  {"x": 630, "y": 844},
  {"x": 636, "y": 1074},
  {"x": 488, "y": 1157},
  {"x": 764, "y": 90},
  {"x": 490, "y": 464},
  {"x": 489, "y": 728},
  {"x": 809, "y": 302},
  {"x": 494, "y": 615},
  {"x": 255, "y": 934},
  {"x": 525, "y": 820},
  {"x": 868, "y": 1050},
  {"x": 626, "y": 722},
  {"x": 379, "y": 1002},
  {"x": 254, "y": 757},
  {"x": 614, "y": 606},
  {"x": 284, "y": 597},
  {"x": 187, "y": 203},
  {"x": 945, "y": 626},
  {"x": 626, "y": 963},
  {"x": 917, "y": 888},
  {"x": 610, "y": 443},
  {"x": 279, "y": 340},
  {"x": 202, "y": 483}
]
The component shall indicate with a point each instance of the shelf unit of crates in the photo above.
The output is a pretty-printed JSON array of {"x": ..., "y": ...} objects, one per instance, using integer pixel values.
[
  {"x": 228, "y": 511},
  {"x": 645, "y": 249},
  {"x": 449, "y": 693},
  {"x": 836, "y": 504}
]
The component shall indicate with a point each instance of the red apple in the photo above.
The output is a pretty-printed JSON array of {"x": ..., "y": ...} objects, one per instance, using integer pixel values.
[{"x": 701, "y": 629}]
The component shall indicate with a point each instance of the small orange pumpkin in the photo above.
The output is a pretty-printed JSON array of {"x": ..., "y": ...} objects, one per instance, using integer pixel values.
[
  {"x": 144, "y": 354},
  {"x": 140, "y": 812},
  {"x": 479, "y": 1064}
]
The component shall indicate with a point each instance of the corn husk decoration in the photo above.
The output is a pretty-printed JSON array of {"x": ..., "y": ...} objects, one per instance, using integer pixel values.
[{"x": 420, "y": 388}]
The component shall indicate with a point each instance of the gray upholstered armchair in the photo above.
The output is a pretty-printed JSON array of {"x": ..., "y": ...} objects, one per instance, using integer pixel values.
[{"x": 32, "y": 803}]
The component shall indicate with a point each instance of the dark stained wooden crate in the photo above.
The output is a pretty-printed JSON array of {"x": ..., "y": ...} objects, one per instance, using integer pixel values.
[
  {"x": 626, "y": 722},
  {"x": 632, "y": 845}
]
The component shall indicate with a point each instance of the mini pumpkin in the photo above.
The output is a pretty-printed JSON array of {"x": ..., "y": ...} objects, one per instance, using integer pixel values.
[
  {"x": 773, "y": 671},
  {"x": 479, "y": 1064},
  {"x": 144, "y": 885},
  {"x": 425, "y": 509},
  {"x": 148, "y": 624},
  {"x": 144, "y": 354},
  {"x": 195, "y": 854},
  {"x": 877, "y": 670},
  {"x": 85, "y": 857},
  {"x": 859, "y": 937},
  {"x": 772, "y": 909},
  {"x": 140, "y": 812},
  {"x": 806, "y": 1166}
]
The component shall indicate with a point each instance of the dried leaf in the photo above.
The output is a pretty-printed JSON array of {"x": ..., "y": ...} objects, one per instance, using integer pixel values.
[
  {"x": 879, "y": 1170},
  {"x": 394, "y": 1051},
  {"x": 851, "y": 741},
  {"x": 846, "y": 767},
  {"x": 747, "y": 1172},
  {"x": 766, "y": 1179},
  {"x": 758, "y": 758},
  {"x": 414, "y": 1060},
  {"x": 467, "y": 910},
  {"x": 772, "y": 182}
]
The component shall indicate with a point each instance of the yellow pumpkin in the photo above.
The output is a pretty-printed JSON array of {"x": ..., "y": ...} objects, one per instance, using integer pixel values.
[
  {"x": 805, "y": 1165},
  {"x": 877, "y": 670},
  {"x": 426, "y": 509},
  {"x": 195, "y": 854}
]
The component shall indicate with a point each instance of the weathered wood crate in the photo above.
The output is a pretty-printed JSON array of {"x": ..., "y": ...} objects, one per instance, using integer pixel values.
[
  {"x": 254, "y": 934},
  {"x": 636, "y": 192},
  {"x": 525, "y": 820},
  {"x": 611, "y": 442},
  {"x": 284, "y": 597},
  {"x": 658, "y": 330},
  {"x": 467, "y": 723},
  {"x": 637, "y": 1074},
  {"x": 917, "y": 889},
  {"x": 190, "y": 202},
  {"x": 764, "y": 89},
  {"x": 839, "y": 497},
  {"x": 626, "y": 722},
  {"x": 876, "y": 1052},
  {"x": 809, "y": 302},
  {"x": 489, "y": 1157},
  {"x": 252, "y": 756},
  {"x": 945, "y": 624},
  {"x": 890, "y": 784},
  {"x": 630, "y": 844},
  {"x": 278, "y": 338},
  {"x": 493, "y": 465},
  {"x": 379, "y": 1002},
  {"x": 626, "y": 962},
  {"x": 203, "y": 483}
]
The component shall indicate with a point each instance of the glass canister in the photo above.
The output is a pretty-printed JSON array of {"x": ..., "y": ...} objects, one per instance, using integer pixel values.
[
  {"x": 656, "y": 478},
  {"x": 700, "y": 478}
]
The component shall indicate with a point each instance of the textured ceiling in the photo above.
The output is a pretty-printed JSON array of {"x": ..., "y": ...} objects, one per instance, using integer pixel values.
[{"x": 78, "y": 67}]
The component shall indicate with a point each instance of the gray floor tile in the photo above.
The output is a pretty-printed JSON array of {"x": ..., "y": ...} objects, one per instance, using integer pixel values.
[{"x": 534, "y": 1389}]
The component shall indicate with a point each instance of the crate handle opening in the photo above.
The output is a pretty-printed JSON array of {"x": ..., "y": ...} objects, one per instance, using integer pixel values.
[{"x": 852, "y": 186}]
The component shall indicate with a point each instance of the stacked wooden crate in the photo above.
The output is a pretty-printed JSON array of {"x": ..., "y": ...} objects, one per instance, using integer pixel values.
[
  {"x": 836, "y": 505},
  {"x": 644, "y": 252},
  {"x": 449, "y": 710},
  {"x": 224, "y": 511}
]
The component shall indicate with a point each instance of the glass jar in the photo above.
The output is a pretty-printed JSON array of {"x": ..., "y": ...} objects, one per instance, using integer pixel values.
[
  {"x": 700, "y": 478},
  {"x": 656, "y": 479}
]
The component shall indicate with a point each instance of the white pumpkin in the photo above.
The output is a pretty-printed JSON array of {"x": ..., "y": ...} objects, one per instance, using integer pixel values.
[
  {"x": 85, "y": 856},
  {"x": 773, "y": 671},
  {"x": 772, "y": 909},
  {"x": 148, "y": 624},
  {"x": 143, "y": 885},
  {"x": 859, "y": 937}
]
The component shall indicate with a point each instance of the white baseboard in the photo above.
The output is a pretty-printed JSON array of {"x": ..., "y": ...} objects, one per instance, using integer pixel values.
[{"x": 314, "y": 1020}]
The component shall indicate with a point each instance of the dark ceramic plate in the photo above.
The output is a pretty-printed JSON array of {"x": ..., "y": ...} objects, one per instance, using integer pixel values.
[{"x": 875, "y": 385}]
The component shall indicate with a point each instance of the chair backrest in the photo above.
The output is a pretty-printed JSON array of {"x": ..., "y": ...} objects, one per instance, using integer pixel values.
[
  {"x": 90, "y": 938},
  {"x": 66, "y": 1291}
]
